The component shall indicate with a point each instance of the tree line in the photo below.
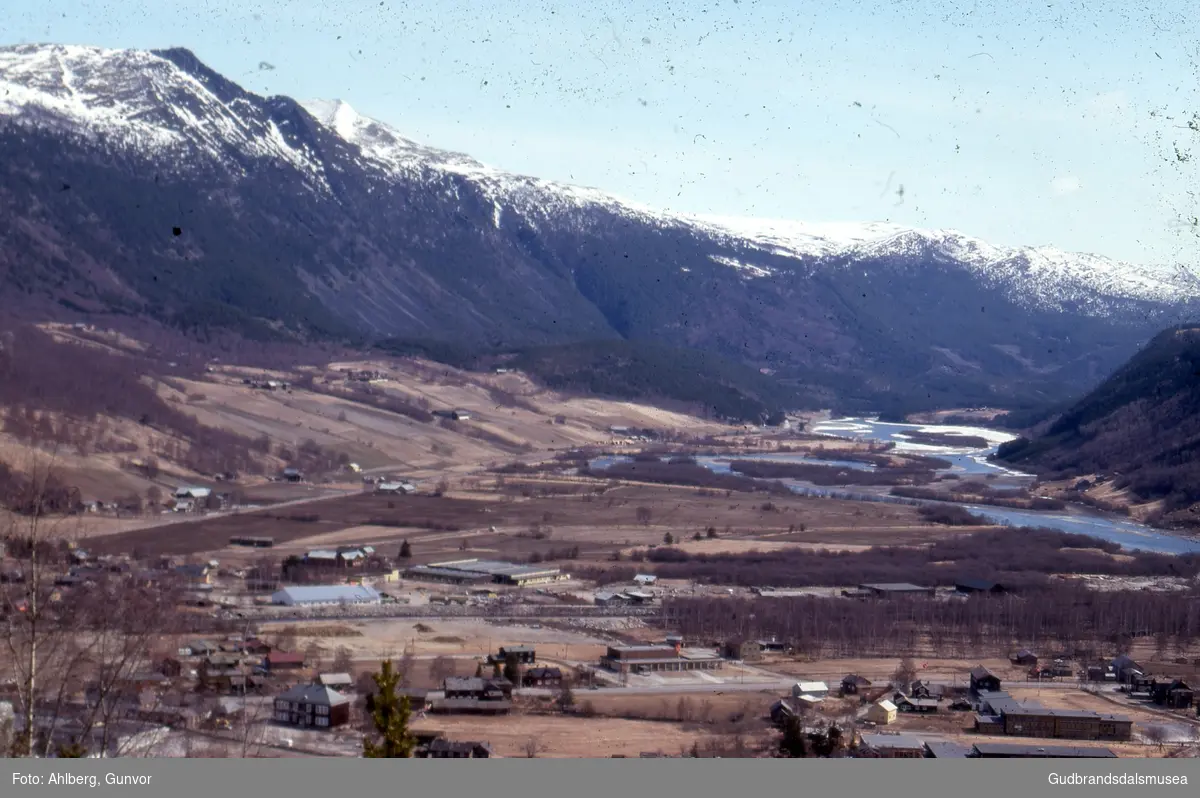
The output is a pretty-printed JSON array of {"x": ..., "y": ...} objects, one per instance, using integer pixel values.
[
  {"x": 1068, "y": 614},
  {"x": 1018, "y": 556}
]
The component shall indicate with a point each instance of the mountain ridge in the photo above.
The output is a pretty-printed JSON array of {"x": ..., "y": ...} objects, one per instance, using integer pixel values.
[
  {"x": 1138, "y": 430},
  {"x": 147, "y": 184}
]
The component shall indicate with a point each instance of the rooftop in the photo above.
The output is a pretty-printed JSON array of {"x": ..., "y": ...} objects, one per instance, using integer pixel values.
[
  {"x": 1034, "y": 751},
  {"x": 942, "y": 749},
  {"x": 895, "y": 587},
  {"x": 331, "y": 594},
  {"x": 904, "y": 741},
  {"x": 314, "y": 694}
]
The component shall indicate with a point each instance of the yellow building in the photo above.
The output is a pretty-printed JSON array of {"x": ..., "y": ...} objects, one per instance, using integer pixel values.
[{"x": 882, "y": 712}]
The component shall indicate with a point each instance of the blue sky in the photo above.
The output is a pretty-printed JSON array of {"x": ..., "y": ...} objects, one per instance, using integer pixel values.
[{"x": 1020, "y": 122}]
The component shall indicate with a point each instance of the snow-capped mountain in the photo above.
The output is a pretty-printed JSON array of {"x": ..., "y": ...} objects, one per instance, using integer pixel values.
[
  {"x": 1039, "y": 275},
  {"x": 146, "y": 183}
]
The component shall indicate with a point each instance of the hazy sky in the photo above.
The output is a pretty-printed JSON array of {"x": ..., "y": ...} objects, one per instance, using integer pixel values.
[{"x": 1020, "y": 122}]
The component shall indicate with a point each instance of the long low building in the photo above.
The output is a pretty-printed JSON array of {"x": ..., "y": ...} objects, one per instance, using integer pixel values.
[
  {"x": 1019, "y": 751},
  {"x": 1000, "y": 713},
  {"x": 314, "y": 595},
  {"x": 475, "y": 570},
  {"x": 624, "y": 659}
]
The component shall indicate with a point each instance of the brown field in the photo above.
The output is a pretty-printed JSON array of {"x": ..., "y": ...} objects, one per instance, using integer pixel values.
[
  {"x": 560, "y": 736},
  {"x": 468, "y": 638},
  {"x": 438, "y": 528}
]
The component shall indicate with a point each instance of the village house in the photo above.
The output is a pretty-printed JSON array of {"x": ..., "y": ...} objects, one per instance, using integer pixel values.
[
  {"x": 981, "y": 586},
  {"x": 1024, "y": 657},
  {"x": 277, "y": 661},
  {"x": 944, "y": 749},
  {"x": 474, "y": 694},
  {"x": 525, "y": 655},
  {"x": 458, "y": 749},
  {"x": 815, "y": 689},
  {"x": 906, "y": 703},
  {"x": 740, "y": 650},
  {"x": 198, "y": 648},
  {"x": 194, "y": 574},
  {"x": 983, "y": 680},
  {"x": 1126, "y": 669},
  {"x": 543, "y": 677},
  {"x": 293, "y": 475},
  {"x": 853, "y": 684},
  {"x": 890, "y": 746},
  {"x": 338, "y": 681},
  {"x": 882, "y": 712},
  {"x": 1175, "y": 694},
  {"x": 311, "y": 705}
]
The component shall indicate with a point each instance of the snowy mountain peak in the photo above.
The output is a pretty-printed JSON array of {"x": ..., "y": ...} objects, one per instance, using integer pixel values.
[
  {"x": 167, "y": 106},
  {"x": 1040, "y": 276}
]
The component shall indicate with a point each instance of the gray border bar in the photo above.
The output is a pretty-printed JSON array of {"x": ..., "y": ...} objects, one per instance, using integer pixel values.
[{"x": 603, "y": 778}]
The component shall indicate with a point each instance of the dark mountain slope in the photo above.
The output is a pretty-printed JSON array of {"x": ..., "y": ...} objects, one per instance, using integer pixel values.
[
  {"x": 1141, "y": 426},
  {"x": 146, "y": 184}
]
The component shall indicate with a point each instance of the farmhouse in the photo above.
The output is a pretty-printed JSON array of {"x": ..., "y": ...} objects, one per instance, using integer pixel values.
[
  {"x": 642, "y": 659},
  {"x": 317, "y": 595},
  {"x": 312, "y": 705}
]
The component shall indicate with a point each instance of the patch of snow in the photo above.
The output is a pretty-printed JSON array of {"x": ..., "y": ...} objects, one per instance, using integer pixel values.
[{"x": 746, "y": 269}]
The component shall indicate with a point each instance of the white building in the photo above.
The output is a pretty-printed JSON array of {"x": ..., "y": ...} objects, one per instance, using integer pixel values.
[
  {"x": 315, "y": 595},
  {"x": 815, "y": 689}
]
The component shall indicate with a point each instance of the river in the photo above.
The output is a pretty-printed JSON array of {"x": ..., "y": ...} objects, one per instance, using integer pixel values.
[
  {"x": 964, "y": 460},
  {"x": 1084, "y": 521}
]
